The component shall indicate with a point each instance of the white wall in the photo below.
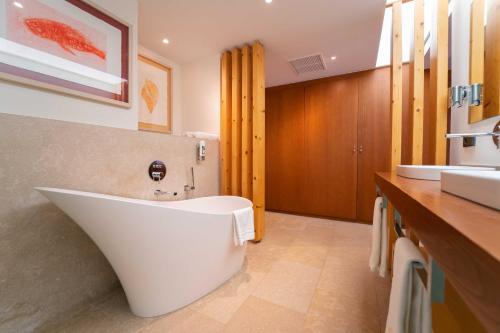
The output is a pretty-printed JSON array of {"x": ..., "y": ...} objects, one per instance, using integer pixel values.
[
  {"x": 177, "y": 113},
  {"x": 201, "y": 95},
  {"x": 27, "y": 101},
  {"x": 485, "y": 152}
]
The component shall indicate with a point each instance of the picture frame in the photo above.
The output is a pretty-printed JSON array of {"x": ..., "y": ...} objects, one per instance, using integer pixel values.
[
  {"x": 155, "y": 96},
  {"x": 66, "y": 46}
]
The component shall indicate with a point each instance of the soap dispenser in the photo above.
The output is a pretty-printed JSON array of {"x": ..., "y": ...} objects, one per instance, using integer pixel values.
[{"x": 202, "y": 150}]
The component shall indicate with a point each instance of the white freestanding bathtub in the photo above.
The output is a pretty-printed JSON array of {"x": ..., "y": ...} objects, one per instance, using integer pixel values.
[{"x": 166, "y": 254}]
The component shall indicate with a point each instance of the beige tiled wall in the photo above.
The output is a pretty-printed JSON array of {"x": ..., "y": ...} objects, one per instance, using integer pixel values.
[{"x": 48, "y": 265}]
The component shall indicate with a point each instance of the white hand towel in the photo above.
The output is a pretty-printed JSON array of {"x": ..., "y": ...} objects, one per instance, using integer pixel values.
[
  {"x": 243, "y": 225},
  {"x": 376, "y": 234},
  {"x": 409, "y": 304},
  {"x": 383, "y": 245}
]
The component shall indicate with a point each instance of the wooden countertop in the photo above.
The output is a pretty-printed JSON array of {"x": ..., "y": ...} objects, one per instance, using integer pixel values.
[{"x": 463, "y": 238}]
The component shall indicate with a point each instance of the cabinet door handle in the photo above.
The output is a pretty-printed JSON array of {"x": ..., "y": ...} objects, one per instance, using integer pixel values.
[
  {"x": 354, "y": 149},
  {"x": 361, "y": 148}
]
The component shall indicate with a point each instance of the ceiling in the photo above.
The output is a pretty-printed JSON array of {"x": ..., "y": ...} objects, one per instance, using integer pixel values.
[{"x": 289, "y": 29}]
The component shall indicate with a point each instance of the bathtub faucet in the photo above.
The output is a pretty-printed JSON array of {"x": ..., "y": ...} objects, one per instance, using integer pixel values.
[{"x": 160, "y": 193}]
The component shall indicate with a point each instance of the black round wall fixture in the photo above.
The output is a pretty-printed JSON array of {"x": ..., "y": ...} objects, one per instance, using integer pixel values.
[{"x": 157, "y": 170}]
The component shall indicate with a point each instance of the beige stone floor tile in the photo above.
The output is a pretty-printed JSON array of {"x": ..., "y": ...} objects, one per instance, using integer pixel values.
[
  {"x": 346, "y": 271},
  {"x": 292, "y": 223},
  {"x": 258, "y": 315},
  {"x": 289, "y": 284},
  {"x": 280, "y": 236},
  {"x": 318, "y": 235},
  {"x": 306, "y": 253},
  {"x": 261, "y": 257},
  {"x": 226, "y": 300},
  {"x": 354, "y": 256},
  {"x": 340, "y": 312},
  {"x": 189, "y": 322},
  {"x": 346, "y": 298}
]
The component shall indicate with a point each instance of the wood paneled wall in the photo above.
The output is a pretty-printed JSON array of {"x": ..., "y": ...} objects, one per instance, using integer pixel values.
[{"x": 242, "y": 122}]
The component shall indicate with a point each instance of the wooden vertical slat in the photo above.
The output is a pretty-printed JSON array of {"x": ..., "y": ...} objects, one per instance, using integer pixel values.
[
  {"x": 236, "y": 122},
  {"x": 476, "y": 52},
  {"x": 417, "y": 84},
  {"x": 396, "y": 86},
  {"x": 439, "y": 80},
  {"x": 396, "y": 113},
  {"x": 491, "y": 88},
  {"x": 246, "y": 125},
  {"x": 259, "y": 152},
  {"x": 225, "y": 124}
]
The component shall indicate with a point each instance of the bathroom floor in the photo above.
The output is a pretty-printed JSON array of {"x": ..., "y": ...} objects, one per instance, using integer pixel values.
[{"x": 307, "y": 275}]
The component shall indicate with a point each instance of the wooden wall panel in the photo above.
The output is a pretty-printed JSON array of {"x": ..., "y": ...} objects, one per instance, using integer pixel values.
[
  {"x": 331, "y": 141},
  {"x": 246, "y": 125},
  {"x": 284, "y": 170},
  {"x": 476, "y": 54},
  {"x": 259, "y": 148},
  {"x": 374, "y": 128},
  {"x": 416, "y": 84},
  {"x": 285, "y": 149},
  {"x": 225, "y": 124},
  {"x": 236, "y": 105},
  {"x": 492, "y": 61},
  {"x": 439, "y": 81}
]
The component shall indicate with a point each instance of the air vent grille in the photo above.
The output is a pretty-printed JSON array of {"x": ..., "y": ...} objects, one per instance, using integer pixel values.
[{"x": 312, "y": 63}]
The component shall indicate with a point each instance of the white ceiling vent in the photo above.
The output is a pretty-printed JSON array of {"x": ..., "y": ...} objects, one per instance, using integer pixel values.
[{"x": 312, "y": 63}]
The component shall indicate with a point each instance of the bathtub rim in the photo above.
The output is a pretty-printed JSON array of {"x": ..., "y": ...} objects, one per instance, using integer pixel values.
[{"x": 166, "y": 204}]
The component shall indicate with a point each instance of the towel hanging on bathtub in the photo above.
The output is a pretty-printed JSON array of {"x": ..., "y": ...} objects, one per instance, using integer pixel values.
[
  {"x": 243, "y": 225},
  {"x": 378, "y": 257}
]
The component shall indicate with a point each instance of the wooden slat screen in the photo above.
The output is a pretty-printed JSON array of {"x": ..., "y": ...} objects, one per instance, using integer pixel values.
[{"x": 243, "y": 128}]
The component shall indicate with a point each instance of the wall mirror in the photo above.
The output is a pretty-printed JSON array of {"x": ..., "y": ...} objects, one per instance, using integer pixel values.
[{"x": 485, "y": 57}]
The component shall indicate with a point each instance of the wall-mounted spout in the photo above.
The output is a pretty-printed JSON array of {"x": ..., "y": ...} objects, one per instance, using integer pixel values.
[{"x": 495, "y": 134}]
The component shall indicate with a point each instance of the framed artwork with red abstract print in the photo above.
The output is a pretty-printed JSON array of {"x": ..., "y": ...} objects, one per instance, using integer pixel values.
[{"x": 68, "y": 46}]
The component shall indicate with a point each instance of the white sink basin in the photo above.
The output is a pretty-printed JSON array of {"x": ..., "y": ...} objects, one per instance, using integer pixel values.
[
  {"x": 432, "y": 172},
  {"x": 482, "y": 187}
]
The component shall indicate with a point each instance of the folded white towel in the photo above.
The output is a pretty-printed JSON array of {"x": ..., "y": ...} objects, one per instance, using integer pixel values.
[
  {"x": 409, "y": 304},
  {"x": 243, "y": 225},
  {"x": 376, "y": 234},
  {"x": 202, "y": 135},
  {"x": 383, "y": 245}
]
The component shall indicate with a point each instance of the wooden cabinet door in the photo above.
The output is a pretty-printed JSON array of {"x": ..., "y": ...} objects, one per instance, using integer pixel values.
[
  {"x": 285, "y": 150},
  {"x": 374, "y": 129},
  {"x": 331, "y": 109}
]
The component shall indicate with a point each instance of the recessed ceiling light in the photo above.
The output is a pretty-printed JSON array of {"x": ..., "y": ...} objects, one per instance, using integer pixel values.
[
  {"x": 333, "y": 58},
  {"x": 165, "y": 41},
  {"x": 269, "y": 1},
  {"x": 18, "y": 4}
]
